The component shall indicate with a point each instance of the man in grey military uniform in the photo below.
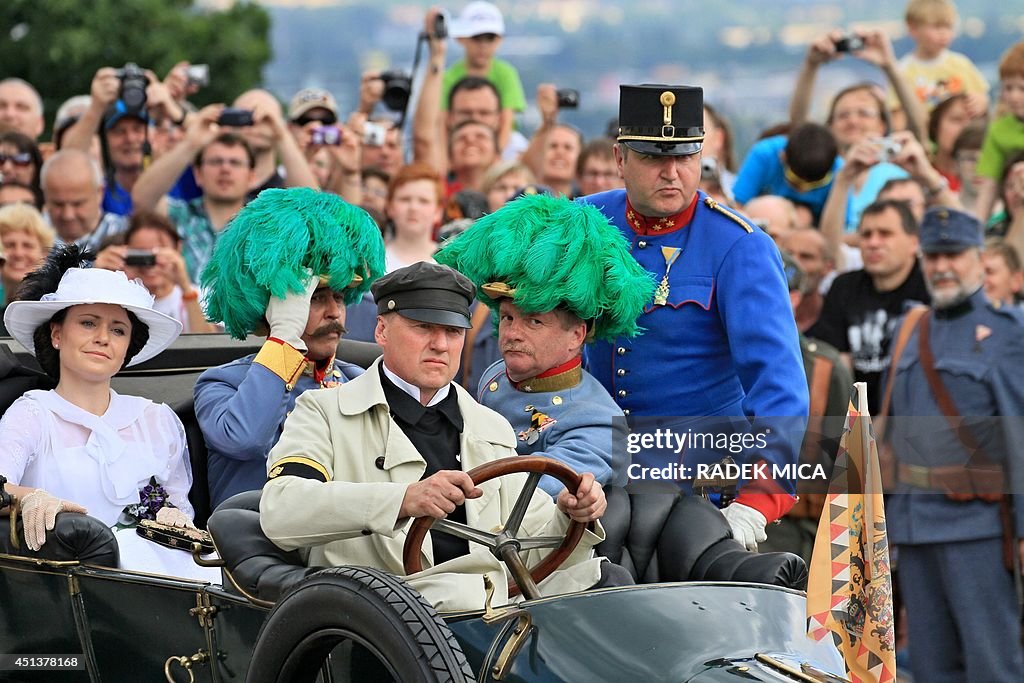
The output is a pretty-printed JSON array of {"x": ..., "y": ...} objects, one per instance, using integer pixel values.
[
  {"x": 955, "y": 509},
  {"x": 564, "y": 273}
]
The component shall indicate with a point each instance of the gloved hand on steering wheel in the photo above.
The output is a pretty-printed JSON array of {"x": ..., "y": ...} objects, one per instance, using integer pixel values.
[
  {"x": 39, "y": 513},
  {"x": 748, "y": 525},
  {"x": 287, "y": 317}
]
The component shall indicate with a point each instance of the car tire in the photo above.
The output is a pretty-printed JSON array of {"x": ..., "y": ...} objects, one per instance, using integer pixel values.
[{"x": 362, "y": 605}]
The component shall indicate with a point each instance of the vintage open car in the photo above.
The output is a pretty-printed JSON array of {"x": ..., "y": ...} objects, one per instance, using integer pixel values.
[{"x": 703, "y": 609}]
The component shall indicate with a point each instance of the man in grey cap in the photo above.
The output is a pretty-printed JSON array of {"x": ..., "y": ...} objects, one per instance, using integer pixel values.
[
  {"x": 356, "y": 464},
  {"x": 955, "y": 508}
]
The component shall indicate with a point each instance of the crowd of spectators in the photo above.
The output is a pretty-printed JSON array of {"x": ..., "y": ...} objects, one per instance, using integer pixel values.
[{"x": 151, "y": 187}]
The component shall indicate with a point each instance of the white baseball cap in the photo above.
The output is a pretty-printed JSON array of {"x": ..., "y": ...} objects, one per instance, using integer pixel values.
[{"x": 477, "y": 19}]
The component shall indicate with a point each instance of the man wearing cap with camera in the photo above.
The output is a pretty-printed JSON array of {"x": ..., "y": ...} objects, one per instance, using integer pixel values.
[
  {"x": 332, "y": 149},
  {"x": 121, "y": 105},
  {"x": 356, "y": 463},
  {"x": 954, "y": 507},
  {"x": 720, "y": 337}
]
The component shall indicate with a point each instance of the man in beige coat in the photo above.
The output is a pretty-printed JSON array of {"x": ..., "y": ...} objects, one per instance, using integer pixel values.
[{"x": 357, "y": 462}]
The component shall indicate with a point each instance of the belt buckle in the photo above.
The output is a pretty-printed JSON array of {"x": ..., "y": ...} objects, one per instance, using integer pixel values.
[{"x": 917, "y": 476}]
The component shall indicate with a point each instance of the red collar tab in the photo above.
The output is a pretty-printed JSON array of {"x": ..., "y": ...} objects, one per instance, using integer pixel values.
[
  {"x": 642, "y": 225},
  {"x": 323, "y": 373}
]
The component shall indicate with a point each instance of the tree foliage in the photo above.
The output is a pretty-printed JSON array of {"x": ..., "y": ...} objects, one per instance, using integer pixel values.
[{"x": 57, "y": 45}]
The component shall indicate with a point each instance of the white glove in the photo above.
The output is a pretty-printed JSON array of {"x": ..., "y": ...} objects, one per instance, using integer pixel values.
[
  {"x": 747, "y": 525},
  {"x": 39, "y": 513},
  {"x": 172, "y": 517},
  {"x": 287, "y": 317}
]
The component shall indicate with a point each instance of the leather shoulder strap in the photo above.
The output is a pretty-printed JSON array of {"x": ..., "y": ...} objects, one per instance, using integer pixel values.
[
  {"x": 910, "y": 321},
  {"x": 941, "y": 394}
]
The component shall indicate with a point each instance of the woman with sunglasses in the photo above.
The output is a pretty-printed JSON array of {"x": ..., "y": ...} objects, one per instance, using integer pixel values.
[
  {"x": 82, "y": 447},
  {"x": 20, "y": 160}
]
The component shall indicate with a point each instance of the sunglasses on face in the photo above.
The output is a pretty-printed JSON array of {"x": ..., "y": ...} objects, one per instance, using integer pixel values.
[
  {"x": 19, "y": 159},
  {"x": 325, "y": 119}
]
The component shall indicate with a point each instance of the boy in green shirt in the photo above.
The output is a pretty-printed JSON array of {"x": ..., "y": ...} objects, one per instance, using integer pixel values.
[
  {"x": 1005, "y": 134},
  {"x": 479, "y": 30}
]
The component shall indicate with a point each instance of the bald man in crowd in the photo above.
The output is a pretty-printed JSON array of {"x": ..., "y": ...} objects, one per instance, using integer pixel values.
[
  {"x": 72, "y": 184},
  {"x": 774, "y": 214},
  {"x": 21, "y": 108}
]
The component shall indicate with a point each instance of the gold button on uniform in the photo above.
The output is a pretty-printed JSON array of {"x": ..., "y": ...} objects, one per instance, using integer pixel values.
[
  {"x": 557, "y": 400},
  {"x": 621, "y": 350},
  {"x": 620, "y": 372},
  {"x": 642, "y": 244},
  {"x": 622, "y": 393},
  {"x": 493, "y": 386}
]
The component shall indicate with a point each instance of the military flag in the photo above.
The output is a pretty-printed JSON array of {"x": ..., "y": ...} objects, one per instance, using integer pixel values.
[{"x": 849, "y": 592}]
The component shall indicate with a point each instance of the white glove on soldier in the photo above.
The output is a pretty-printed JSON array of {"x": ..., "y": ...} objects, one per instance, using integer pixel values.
[
  {"x": 172, "y": 517},
  {"x": 288, "y": 316},
  {"x": 747, "y": 525},
  {"x": 39, "y": 513}
]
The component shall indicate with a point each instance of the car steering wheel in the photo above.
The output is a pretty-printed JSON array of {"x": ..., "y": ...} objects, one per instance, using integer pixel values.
[{"x": 506, "y": 545}]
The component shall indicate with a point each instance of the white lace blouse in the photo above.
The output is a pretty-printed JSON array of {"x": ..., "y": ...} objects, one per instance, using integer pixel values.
[{"x": 101, "y": 462}]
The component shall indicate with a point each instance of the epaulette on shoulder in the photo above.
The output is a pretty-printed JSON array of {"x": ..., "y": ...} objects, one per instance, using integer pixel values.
[{"x": 715, "y": 206}]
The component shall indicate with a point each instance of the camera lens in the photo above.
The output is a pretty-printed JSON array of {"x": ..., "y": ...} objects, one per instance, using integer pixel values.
[{"x": 397, "y": 88}]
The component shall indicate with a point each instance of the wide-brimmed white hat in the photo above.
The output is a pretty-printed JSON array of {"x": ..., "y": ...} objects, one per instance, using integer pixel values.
[{"x": 94, "y": 286}]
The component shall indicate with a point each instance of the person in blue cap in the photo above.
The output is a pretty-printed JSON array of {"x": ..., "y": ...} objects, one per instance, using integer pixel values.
[
  {"x": 720, "y": 337},
  {"x": 956, "y": 394}
]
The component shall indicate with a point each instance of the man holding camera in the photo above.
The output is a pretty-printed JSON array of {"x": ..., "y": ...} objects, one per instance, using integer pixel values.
[
  {"x": 121, "y": 104},
  {"x": 720, "y": 336},
  {"x": 313, "y": 122},
  {"x": 257, "y": 116},
  {"x": 223, "y": 164}
]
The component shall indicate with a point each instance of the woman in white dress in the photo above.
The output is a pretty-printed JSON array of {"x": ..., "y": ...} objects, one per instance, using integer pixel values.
[{"x": 82, "y": 447}]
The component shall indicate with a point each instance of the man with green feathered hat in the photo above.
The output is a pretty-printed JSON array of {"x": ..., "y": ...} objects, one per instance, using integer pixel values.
[
  {"x": 286, "y": 267},
  {"x": 557, "y": 274}
]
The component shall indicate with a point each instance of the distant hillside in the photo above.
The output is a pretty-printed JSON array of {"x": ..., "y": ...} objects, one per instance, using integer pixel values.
[{"x": 594, "y": 46}]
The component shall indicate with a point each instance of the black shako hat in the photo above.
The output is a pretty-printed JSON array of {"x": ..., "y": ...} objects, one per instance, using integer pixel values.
[
  {"x": 663, "y": 120},
  {"x": 426, "y": 292}
]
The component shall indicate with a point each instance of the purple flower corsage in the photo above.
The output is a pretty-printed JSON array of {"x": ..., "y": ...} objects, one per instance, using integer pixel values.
[{"x": 152, "y": 497}]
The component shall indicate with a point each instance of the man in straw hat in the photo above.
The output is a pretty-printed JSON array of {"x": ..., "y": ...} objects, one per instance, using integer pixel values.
[
  {"x": 720, "y": 338},
  {"x": 556, "y": 273},
  {"x": 290, "y": 262}
]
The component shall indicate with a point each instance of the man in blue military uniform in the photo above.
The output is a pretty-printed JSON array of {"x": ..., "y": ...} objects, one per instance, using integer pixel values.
[
  {"x": 563, "y": 273},
  {"x": 949, "y": 516},
  {"x": 288, "y": 265},
  {"x": 720, "y": 337}
]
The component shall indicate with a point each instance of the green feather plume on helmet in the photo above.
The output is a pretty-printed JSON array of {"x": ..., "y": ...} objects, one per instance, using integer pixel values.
[
  {"x": 554, "y": 252},
  {"x": 273, "y": 243}
]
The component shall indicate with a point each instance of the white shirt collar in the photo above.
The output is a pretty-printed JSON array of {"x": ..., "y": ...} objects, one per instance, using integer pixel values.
[{"x": 414, "y": 391}]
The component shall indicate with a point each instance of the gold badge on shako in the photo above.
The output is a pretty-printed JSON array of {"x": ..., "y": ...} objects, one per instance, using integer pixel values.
[{"x": 538, "y": 423}]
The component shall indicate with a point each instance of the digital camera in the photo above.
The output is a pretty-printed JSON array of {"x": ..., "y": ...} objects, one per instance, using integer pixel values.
[
  {"x": 850, "y": 42},
  {"x": 568, "y": 98},
  {"x": 133, "y": 88},
  {"x": 397, "y": 88},
  {"x": 326, "y": 135},
  {"x": 235, "y": 118}
]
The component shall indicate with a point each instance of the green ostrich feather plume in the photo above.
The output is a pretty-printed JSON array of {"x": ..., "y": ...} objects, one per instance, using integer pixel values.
[
  {"x": 554, "y": 252},
  {"x": 270, "y": 245}
]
